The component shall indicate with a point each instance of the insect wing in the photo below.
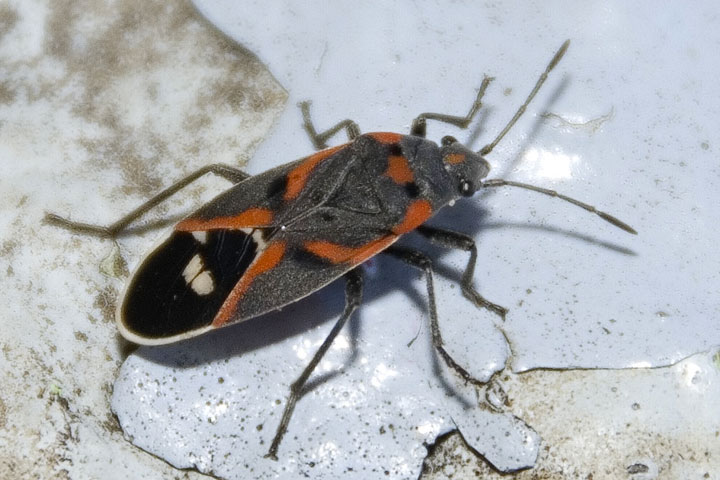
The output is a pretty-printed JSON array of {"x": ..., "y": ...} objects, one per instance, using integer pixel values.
[
  {"x": 179, "y": 289},
  {"x": 272, "y": 198}
]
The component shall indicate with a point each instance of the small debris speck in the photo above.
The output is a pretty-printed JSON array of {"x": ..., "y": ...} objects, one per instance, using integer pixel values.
[{"x": 637, "y": 468}]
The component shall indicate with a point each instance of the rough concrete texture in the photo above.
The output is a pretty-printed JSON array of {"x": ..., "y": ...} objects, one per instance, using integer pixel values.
[{"x": 101, "y": 104}]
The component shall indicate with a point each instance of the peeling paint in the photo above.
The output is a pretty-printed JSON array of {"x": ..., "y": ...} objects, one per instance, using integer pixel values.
[
  {"x": 591, "y": 125},
  {"x": 640, "y": 417}
]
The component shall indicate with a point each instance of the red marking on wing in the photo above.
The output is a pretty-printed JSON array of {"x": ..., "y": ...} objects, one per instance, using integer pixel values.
[
  {"x": 386, "y": 137},
  {"x": 353, "y": 255},
  {"x": 252, "y": 217},
  {"x": 416, "y": 214},
  {"x": 297, "y": 177},
  {"x": 454, "y": 158},
  {"x": 399, "y": 170},
  {"x": 268, "y": 259}
]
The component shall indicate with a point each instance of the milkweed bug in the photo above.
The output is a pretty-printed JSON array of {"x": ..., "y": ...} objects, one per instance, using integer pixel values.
[{"x": 277, "y": 237}]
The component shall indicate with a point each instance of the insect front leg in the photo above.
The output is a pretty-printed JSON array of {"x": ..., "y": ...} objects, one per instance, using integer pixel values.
[
  {"x": 450, "y": 239},
  {"x": 422, "y": 262},
  {"x": 419, "y": 125},
  {"x": 227, "y": 172},
  {"x": 319, "y": 139},
  {"x": 353, "y": 297}
]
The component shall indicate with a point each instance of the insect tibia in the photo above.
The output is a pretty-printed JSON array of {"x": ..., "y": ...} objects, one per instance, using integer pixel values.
[{"x": 78, "y": 227}]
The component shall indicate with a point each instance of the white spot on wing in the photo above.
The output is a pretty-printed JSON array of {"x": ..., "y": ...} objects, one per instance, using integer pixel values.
[
  {"x": 257, "y": 236},
  {"x": 201, "y": 281},
  {"x": 203, "y": 284},
  {"x": 200, "y": 237},
  {"x": 193, "y": 268}
]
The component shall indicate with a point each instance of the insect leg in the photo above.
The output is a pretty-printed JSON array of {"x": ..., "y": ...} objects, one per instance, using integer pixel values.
[
  {"x": 353, "y": 297},
  {"x": 232, "y": 174},
  {"x": 419, "y": 126},
  {"x": 319, "y": 139},
  {"x": 421, "y": 261},
  {"x": 450, "y": 239}
]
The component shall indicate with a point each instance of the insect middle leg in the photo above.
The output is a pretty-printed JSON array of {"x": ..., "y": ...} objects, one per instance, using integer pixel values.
[
  {"x": 353, "y": 297},
  {"x": 422, "y": 262},
  {"x": 450, "y": 239},
  {"x": 227, "y": 172},
  {"x": 319, "y": 139}
]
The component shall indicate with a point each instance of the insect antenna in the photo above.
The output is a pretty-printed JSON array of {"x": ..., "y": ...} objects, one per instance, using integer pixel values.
[
  {"x": 558, "y": 55},
  {"x": 498, "y": 182}
]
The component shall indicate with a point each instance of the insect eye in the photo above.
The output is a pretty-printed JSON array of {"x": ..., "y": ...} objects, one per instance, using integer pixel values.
[
  {"x": 448, "y": 140},
  {"x": 467, "y": 188}
]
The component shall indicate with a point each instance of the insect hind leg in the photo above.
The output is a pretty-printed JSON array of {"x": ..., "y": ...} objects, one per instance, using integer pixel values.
[
  {"x": 353, "y": 298},
  {"x": 227, "y": 172},
  {"x": 422, "y": 262},
  {"x": 319, "y": 139},
  {"x": 419, "y": 125},
  {"x": 450, "y": 239}
]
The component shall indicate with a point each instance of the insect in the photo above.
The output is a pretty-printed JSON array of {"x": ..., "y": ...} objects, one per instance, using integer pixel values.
[{"x": 277, "y": 237}]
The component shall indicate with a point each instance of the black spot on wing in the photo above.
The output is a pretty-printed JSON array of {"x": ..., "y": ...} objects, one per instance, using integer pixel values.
[
  {"x": 161, "y": 302},
  {"x": 277, "y": 187},
  {"x": 303, "y": 258},
  {"x": 412, "y": 189},
  {"x": 328, "y": 216},
  {"x": 395, "y": 149}
]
